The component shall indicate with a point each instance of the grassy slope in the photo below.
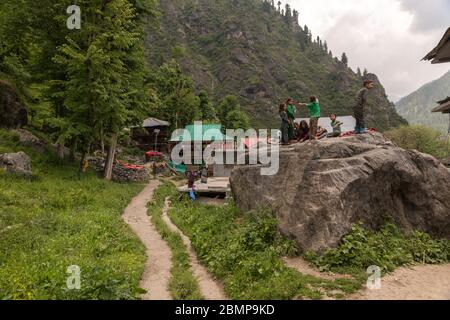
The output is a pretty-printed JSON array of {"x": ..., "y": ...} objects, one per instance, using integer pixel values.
[{"x": 57, "y": 220}]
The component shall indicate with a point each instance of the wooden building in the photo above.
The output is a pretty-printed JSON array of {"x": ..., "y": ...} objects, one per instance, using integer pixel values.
[
  {"x": 441, "y": 53},
  {"x": 153, "y": 135}
]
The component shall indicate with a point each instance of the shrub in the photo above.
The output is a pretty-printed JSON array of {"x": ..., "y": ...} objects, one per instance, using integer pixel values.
[{"x": 421, "y": 138}]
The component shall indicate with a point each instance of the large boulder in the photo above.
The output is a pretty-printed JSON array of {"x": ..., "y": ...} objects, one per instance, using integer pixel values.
[
  {"x": 13, "y": 113},
  {"x": 16, "y": 163},
  {"x": 323, "y": 188}
]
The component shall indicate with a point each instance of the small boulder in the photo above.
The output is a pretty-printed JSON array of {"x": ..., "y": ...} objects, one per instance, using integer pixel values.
[{"x": 16, "y": 163}]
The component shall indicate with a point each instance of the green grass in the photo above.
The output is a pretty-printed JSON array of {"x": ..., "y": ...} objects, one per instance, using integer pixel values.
[
  {"x": 57, "y": 220},
  {"x": 245, "y": 251},
  {"x": 183, "y": 285},
  {"x": 388, "y": 249}
]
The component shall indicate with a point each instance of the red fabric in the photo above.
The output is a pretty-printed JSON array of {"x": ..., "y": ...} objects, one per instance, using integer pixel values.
[
  {"x": 153, "y": 154},
  {"x": 352, "y": 133}
]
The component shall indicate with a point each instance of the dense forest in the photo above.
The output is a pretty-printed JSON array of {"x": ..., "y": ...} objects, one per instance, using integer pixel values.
[
  {"x": 223, "y": 61},
  {"x": 261, "y": 52}
]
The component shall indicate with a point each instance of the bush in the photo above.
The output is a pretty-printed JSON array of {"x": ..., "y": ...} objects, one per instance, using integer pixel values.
[
  {"x": 421, "y": 138},
  {"x": 387, "y": 249}
]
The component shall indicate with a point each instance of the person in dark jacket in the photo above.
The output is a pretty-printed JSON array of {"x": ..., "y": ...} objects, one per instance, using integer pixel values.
[
  {"x": 302, "y": 133},
  {"x": 361, "y": 102},
  {"x": 285, "y": 123}
]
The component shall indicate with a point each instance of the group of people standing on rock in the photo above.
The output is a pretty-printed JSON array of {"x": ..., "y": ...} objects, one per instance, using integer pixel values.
[{"x": 293, "y": 132}]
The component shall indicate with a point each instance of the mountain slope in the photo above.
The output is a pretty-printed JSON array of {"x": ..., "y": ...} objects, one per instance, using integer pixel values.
[
  {"x": 247, "y": 48},
  {"x": 416, "y": 107}
]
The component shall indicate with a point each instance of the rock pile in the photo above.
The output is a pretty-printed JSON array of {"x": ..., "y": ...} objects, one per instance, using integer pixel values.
[
  {"x": 324, "y": 188},
  {"x": 16, "y": 163},
  {"x": 125, "y": 173}
]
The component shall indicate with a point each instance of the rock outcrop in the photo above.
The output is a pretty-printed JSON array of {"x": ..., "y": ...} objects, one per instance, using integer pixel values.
[
  {"x": 28, "y": 139},
  {"x": 323, "y": 188},
  {"x": 13, "y": 113},
  {"x": 16, "y": 163}
]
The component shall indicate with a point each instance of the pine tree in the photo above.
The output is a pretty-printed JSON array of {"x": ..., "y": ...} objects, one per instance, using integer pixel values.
[
  {"x": 206, "y": 108},
  {"x": 358, "y": 72},
  {"x": 344, "y": 59},
  {"x": 105, "y": 69},
  {"x": 279, "y": 6}
]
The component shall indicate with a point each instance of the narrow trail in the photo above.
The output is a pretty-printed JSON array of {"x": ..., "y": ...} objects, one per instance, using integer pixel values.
[
  {"x": 157, "y": 272},
  {"x": 304, "y": 267},
  {"x": 420, "y": 282},
  {"x": 210, "y": 288}
]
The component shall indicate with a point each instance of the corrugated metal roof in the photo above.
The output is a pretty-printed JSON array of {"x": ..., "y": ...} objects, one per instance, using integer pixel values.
[
  {"x": 349, "y": 123},
  {"x": 205, "y": 133},
  {"x": 153, "y": 122}
]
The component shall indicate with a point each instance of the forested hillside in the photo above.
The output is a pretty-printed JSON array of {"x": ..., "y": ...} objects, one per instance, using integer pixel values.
[
  {"x": 261, "y": 54},
  {"x": 416, "y": 107}
]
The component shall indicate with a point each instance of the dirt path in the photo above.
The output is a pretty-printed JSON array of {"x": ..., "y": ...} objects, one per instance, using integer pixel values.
[
  {"x": 210, "y": 288},
  {"x": 159, "y": 257},
  {"x": 304, "y": 267},
  {"x": 421, "y": 282}
]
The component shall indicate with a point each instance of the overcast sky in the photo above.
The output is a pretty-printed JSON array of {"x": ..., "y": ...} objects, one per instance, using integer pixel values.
[{"x": 388, "y": 37}]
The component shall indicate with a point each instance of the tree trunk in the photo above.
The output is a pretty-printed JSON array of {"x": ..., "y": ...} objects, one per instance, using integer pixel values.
[
  {"x": 110, "y": 157},
  {"x": 60, "y": 151}
]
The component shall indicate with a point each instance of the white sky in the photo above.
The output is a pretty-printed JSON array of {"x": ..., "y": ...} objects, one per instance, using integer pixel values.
[{"x": 388, "y": 37}]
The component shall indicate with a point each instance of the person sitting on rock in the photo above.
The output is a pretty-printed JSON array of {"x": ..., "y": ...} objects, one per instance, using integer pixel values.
[
  {"x": 336, "y": 125},
  {"x": 321, "y": 133},
  {"x": 302, "y": 132}
]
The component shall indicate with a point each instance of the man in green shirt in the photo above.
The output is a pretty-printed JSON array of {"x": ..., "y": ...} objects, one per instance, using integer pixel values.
[
  {"x": 291, "y": 115},
  {"x": 314, "y": 115}
]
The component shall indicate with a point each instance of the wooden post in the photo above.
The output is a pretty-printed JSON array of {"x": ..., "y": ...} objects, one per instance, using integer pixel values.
[{"x": 110, "y": 157}]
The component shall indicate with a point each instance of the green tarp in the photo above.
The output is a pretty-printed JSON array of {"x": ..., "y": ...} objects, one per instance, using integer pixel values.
[{"x": 205, "y": 133}]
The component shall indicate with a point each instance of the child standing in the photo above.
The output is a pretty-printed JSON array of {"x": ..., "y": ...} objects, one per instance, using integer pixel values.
[
  {"x": 291, "y": 115},
  {"x": 314, "y": 115},
  {"x": 284, "y": 124}
]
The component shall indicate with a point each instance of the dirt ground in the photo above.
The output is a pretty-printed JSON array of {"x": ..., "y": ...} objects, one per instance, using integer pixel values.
[
  {"x": 420, "y": 282},
  {"x": 159, "y": 257}
]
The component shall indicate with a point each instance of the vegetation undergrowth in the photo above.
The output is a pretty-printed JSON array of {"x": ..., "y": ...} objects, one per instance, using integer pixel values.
[
  {"x": 183, "y": 285},
  {"x": 245, "y": 252},
  {"x": 388, "y": 248},
  {"x": 58, "y": 219},
  {"x": 421, "y": 138}
]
